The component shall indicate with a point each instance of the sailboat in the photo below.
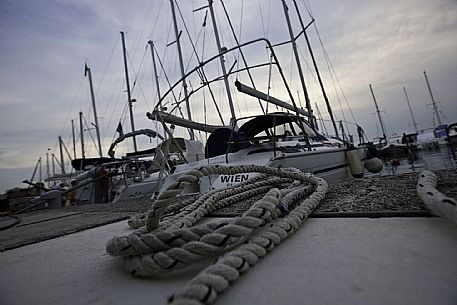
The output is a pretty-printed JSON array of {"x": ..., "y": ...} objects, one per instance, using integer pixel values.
[{"x": 278, "y": 139}]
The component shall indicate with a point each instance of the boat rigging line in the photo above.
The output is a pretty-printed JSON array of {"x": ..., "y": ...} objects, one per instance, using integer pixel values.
[
  {"x": 184, "y": 83},
  {"x": 240, "y": 53},
  {"x": 329, "y": 108},
  {"x": 297, "y": 59},
  {"x": 201, "y": 71}
]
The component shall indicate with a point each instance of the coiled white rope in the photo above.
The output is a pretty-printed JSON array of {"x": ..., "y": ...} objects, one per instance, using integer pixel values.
[
  {"x": 437, "y": 202},
  {"x": 289, "y": 196}
]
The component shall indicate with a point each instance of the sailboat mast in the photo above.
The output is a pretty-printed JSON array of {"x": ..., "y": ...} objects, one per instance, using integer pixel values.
[
  {"x": 38, "y": 164},
  {"x": 221, "y": 58},
  {"x": 379, "y": 114},
  {"x": 48, "y": 174},
  {"x": 329, "y": 108},
  {"x": 181, "y": 64},
  {"x": 156, "y": 76},
  {"x": 297, "y": 59},
  {"x": 87, "y": 72},
  {"x": 74, "y": 139},
  {"x": 242, "y": 54},
  {"x": 40, "y": 173},
  {"x": 53, "y": 158},
  {"x": 435, "y": 108},
  {"x": 129, "y": 97},
  {"x": 410, "y": 110},
  {"x": 81, "y": 132},
  {"x": 62, "y": 165}
]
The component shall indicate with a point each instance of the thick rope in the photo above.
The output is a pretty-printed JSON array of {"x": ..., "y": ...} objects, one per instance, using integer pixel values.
[
  {"x": 289, "y": 196},
  {"x": 437, "y": 202}
]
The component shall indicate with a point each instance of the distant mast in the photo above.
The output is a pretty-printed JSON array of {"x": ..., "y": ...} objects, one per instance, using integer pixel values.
[
  {"x": 74, "y": 139},
  {"x": 435, "y": 108},
  {"x": 62, "y": 164},
  {"x": 129, "y": 97},
  {"x": 87, "y": 72},
  {"x": 156, "y": 75},
  {"x": 81, "y": 134},
  {"x": 379, "y": 114},
  {"x": 48, "y": 174},
  {"x": 410, "y": 110}
]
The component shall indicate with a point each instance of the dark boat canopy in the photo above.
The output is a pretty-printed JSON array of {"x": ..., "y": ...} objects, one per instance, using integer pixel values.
[
  {"x": 82, "y": 163},
  {"x": 225, "y": 140},
  {"x": 263, "y": 122}
]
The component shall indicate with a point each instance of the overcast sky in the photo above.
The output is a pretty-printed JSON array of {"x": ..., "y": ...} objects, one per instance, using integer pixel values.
[{"x": 44, "y": 45}]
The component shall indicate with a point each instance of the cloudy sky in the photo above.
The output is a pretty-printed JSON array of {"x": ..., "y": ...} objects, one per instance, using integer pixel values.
[{"x": 44, "y": 45}]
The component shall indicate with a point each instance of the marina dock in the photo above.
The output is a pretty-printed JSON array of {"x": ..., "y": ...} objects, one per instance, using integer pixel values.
[{"x": 370, "y": 241}]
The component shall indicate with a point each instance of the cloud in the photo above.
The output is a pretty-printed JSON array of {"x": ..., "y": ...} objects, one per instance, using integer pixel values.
[{"x": 45, "y": 44}]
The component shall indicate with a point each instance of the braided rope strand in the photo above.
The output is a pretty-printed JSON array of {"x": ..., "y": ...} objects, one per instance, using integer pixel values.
[
  {"x": 288, "y": 197},
  {"x": 205, "y": 287},
  {"x": 437, "y": 202}
]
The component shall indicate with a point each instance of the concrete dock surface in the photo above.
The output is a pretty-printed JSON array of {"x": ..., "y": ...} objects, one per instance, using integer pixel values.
[
  {"x": 371, "y": 241},
  {"x": 328, "y": 261}
]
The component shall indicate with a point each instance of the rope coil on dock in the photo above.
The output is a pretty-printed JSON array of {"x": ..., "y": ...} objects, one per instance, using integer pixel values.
[
  {"x": 286, "y": 198},
  {"x": 437, "y": 202}
]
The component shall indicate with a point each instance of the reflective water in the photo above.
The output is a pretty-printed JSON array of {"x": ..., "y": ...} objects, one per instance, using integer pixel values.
[{"x": 440, "y": 157}]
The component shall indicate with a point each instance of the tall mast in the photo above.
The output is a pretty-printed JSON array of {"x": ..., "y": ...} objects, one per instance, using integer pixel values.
[
  {"x": 410, "y": 110},
  {"x": 74, "y": 140},
  {"x": 62, "y": 165},
  {"x": 48, "y": 174},
  {"x": 242, "y": 54},
  {"x": 379, "y": 114},
  {"x": 297, "y": 59},
  {"x": 40, "y": 174},
  {"x": 156, "y": 76},
  {"x": 181, "y": 64},
  {"x": 129, "y": 97},
  {"x": 329, "y": 108},
  {"x": 81, "y": 132},
  {"x": 53, "y": 157},
  {"x": 38, "y": 163},
  {"x": 435, "y": 108},
  {"x": 87, "y": 72},
  {"x": 221, "y": 58}
]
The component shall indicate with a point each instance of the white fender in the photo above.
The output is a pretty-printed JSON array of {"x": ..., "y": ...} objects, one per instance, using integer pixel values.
[{"x": 355, "y": 164}]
